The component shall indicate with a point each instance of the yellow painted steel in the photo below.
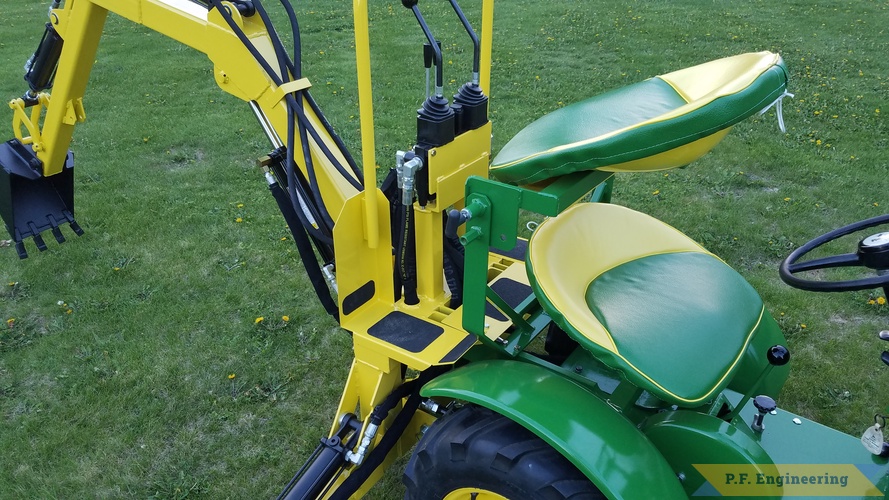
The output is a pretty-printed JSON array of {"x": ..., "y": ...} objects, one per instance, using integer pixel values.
[
  {"x": 487, "y": 42},
  {"x": 80, "y": 25},
  {"x": 474, "y": 494},
  {"x": 362, "y": 237},
  {"x": 365, "y": 111},
  {"x": 236, "y": 71}
]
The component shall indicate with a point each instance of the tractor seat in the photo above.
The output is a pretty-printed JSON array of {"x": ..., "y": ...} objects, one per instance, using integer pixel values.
[
  {"x": 644, "y": 299},
  {"x": 663, "y": 122}
]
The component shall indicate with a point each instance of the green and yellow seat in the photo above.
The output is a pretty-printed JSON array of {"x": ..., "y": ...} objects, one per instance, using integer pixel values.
[
  {"x": 663, "y": 122},
  {"x": 645, "y": 299}
]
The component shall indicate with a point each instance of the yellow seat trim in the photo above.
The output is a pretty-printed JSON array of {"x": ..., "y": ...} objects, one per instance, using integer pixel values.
[
  {"x": 619, "y": 236},
  {"x": 695, "y": 85}
]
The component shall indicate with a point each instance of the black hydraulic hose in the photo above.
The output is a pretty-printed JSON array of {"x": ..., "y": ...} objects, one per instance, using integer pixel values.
[
  {"x": 284, "y": 63},
  {"x": 306, "y": 253},
  {"x": 296, "y": 62},
  {"x": 291, "y": 101},
  {"x": 294, "y": 178},
  {"x": 407, "y": 255},
  {"x": 295, "y": 66},
  {"x": 325, "y": 228},
  {"x": 392, "y": 435},
  {"x": 350, "y": 160}
]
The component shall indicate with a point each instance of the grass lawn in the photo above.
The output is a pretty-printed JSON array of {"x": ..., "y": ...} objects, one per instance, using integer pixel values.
[{"x": 133, "y": 362}]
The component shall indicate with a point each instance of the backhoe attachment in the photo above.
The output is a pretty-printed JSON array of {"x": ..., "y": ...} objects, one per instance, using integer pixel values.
[{"x": 31, "y": 203}]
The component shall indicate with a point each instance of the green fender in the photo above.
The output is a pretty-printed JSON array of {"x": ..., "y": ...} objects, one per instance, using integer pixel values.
[{"x": 598, "y": 440}]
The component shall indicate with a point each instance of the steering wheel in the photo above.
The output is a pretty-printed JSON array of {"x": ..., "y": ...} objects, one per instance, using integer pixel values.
[{"x": 873, "y": 253}]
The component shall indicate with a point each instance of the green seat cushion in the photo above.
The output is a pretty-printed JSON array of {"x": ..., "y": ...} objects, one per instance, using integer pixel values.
[
  {"x": 644, "y": 298},
  {"x": 680, "y": 321},
  {"x": 663, "y": 122}
]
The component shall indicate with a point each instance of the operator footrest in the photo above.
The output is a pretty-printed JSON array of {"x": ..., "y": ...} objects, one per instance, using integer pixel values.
[{"x": 31, "y": 203}]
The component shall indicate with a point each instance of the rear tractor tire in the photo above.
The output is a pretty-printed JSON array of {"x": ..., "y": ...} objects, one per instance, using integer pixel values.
[{"x": 475, "y": 454}]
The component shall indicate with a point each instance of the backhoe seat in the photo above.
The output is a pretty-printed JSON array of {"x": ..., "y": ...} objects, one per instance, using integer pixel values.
[
  {"x": 663, "y": 122},
  {"x": 644, "y": 299}
]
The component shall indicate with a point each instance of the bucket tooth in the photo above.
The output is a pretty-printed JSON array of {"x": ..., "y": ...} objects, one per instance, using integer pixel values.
[{"x": 31, "y": 203}]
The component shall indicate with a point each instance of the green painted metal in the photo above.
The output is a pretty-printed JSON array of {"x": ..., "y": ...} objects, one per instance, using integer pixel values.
[
  {"x": 597, "y": 439},
  {"x": 755, "y": 376},
  {"x": 809, "y": 442},
  {"x": 686, "y": 438},
  {"x": 495, "y": 216}
]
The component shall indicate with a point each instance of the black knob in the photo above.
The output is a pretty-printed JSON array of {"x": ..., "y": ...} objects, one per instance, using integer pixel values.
[
  {"x": 778, "y": 355},
  {"x": 409, "y": 3},
  {"x": 764, "y": 404}
]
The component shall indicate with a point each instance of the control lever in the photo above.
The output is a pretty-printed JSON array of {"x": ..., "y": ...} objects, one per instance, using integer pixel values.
[{"x": 764, "y": 405}]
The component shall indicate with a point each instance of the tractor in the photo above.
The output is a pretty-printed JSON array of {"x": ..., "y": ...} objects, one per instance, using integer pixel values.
[{"x": 609, "y": 355}]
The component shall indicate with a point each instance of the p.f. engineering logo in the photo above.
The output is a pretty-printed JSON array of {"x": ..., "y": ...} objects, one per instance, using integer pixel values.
[{"x": 786, "y": 480}]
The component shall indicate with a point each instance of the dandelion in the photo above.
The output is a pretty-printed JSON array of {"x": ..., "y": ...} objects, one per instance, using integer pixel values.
[
  {"x": 871, "y": 302},
  {"x": 656, "y": 192},
  {"x": 69, "y": 311},
  {"x": 876, "y": 204},
  {"x": 231, "y": 376},
  {"x": 116, "y": 268},
  {"x": 285, "y": 318},
  {"x": 258, "y": 320},
  {"x": 240, "y": 205},
  {"x": 10, "y": 323},
  {"x": 283, "y": 238},
  {"x": 802, "y": 326},
  {"x": 786, "y": 199},
  {"x": 881, "y": 301},
  {"x": 13, "y": 283},
  {"x": 239, "y": 220}
]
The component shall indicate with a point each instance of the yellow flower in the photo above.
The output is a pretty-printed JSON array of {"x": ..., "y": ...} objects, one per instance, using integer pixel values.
[
  {"x": 240, "y": 205},
  {"x": 116, "y": 268},
  {"x": 13, "y": 283},
  {"x": 656, "y": 192},
  {"x": 239, "y": 220},
  {"x": 285, "y": 318},
  {"x": 10, "y": 322},
  {"x": 231, "y": 376},
  {"x": 802, "y": 325},
  {"x": 881, "y": 300},
  {"x": 258, "y": 320},
  {"x": 69, "y": 311},
  {"x": 786, "y": 199}
]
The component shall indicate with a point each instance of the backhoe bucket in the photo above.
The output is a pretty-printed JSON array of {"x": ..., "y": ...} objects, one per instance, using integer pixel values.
[{"x": 31, "y": 203}]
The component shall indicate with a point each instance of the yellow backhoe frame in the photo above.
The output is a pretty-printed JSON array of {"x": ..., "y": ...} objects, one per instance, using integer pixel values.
[{"x": 362, "y": 241}]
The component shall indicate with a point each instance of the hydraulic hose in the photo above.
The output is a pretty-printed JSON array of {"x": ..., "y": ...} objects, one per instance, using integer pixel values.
[
  {"x": 393, "y": 433},
  {"x": 306, "y": 253}
]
